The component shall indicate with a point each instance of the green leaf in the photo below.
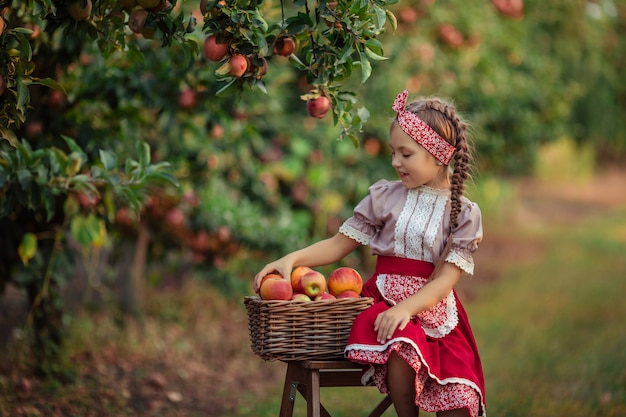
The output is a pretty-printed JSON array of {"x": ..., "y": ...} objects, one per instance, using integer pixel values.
[
  {"x": 9, "y": 135},
  {"x": 109, "y": 160},
  {"x": 88, "y": 230},
  {"x": 143, "y": 149},
  {"x": 49, "y": 82},
  {"x": 25, "y": 48},
  {"x": 225, "y": 91},
  {"x": 295, "y": 61},
  {"x": 373, "y": 56},
  {"x": 71, "y": 143},
  {"x": 380, "y": 16},
  {"x": 24, "y": 177},
  {"x": 22, "y": 93},
  {"x": 366, "y": 69},
  {"x": 27, "y": 248},
  {"x": 392, "y": 19},
  {"x": 49, "y": 205},
  {"x": 364, "y": 114},
  {"x": 375, "y": 45}
]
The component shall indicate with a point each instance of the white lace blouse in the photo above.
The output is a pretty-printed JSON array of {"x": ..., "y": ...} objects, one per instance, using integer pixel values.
[{"x": 414, "y": 223}]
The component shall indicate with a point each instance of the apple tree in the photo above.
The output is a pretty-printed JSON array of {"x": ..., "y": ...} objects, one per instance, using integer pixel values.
[{"x": 89, "y": 89}]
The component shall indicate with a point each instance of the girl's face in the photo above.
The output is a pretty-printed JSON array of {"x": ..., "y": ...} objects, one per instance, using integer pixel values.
[{"x": 414, "y": 164}]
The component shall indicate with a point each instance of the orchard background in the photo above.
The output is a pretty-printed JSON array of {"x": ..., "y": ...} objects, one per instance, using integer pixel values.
[{"x": 136, "y": 157}]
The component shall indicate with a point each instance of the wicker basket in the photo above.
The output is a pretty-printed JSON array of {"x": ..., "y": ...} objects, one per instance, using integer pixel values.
[{"x": 292, "y": 330}]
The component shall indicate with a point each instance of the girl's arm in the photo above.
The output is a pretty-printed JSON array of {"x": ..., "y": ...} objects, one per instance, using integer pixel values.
[
  {"x": 320, "y": 253},
  {"x": 430, "y": 294}
]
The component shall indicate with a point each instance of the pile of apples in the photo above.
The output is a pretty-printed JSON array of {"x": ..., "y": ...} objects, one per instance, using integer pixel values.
[{"x": 307, "y": 284}]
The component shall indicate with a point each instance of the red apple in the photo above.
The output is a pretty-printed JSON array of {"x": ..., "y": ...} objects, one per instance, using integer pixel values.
[
  {"x": 214, "y": 50},
  {"x": 344, "y": 279},
  {"x": 298, "y": 296},
  {"x": 451, "y": 35},
  {"x": 275, "y": 288},
  {"x": 325, "y": 296},
  {"x": 268, "y": 276},
  {"x": 238, "y": 65},
  {"x": 175, "y": 218},
  {"x": 284, "y": 46},
  {"x": 137, "y": 20},
  {"x": 87, "y": 200},
  {"x": 313, "y": 283},
  {"x": 318, "y": 107},
  {"x": 187, "y": 99},
  {"x": 408, "y": 15},
  {"x": 124, "y": 217},
  {"x": 510, "y": 8},
  {"x": 348, "y": 294},
  {"x": 296, "y": 277}
]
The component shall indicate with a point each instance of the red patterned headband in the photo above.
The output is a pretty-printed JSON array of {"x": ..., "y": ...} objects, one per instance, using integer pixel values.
[{"x": 419, "y": 130}]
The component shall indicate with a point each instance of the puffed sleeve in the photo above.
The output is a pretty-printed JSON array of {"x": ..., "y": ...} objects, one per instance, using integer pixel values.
[
  {"x": 466, "y": 238},
  {"x": 367, "y": 217}
]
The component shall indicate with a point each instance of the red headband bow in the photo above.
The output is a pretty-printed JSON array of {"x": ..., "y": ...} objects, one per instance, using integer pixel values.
[{"x": 419, "y": 130}]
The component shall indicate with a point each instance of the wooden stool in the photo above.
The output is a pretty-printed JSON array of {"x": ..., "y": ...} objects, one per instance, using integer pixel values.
[{"x": 308, "y": 376}]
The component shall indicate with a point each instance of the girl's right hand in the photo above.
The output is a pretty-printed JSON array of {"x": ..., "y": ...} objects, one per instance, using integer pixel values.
[{"x": 281, "y": 266}]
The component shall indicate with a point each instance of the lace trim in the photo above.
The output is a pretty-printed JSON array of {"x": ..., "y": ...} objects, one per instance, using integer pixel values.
[
  {"x": 354, "y": 234},
  {"x": 363, "y": 349},
  {"x": 452, "y": 319},
  {"x": 380, "y": 284},
  {"x": 458, "y": 260},
  {"x": 419, "y": 223},
  {"x": 438, "y": 321}
]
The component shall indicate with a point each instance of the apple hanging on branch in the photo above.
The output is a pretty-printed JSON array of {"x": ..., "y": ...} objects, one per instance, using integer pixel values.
[
  {"x": 215, "y": 50},
  {"x": 317, "y": 104}
]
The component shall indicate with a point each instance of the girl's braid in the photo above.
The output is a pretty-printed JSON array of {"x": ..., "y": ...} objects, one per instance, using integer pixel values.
[{"x": 453, "y": 130}]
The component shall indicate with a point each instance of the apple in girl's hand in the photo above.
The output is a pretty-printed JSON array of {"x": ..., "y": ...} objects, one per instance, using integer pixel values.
[
  {"x": 343, "y": 279},
  {"x": 296, "y": 277},
  {"x": 348, "y": 294},
  {"x": 313, "y": 283},
  {"x": 270, "y": 275},
  {"x": 298, "y": 296},
  {"x": 325, "y": 296},
  {"x": 275, "y": 288}
]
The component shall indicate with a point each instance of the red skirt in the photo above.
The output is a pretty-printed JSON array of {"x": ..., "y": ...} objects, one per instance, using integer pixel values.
[{"x": 438, "y": 343}]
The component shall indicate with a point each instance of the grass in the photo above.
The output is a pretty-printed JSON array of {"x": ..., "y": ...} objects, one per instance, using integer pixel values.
[{"x": 551, "y": 332}]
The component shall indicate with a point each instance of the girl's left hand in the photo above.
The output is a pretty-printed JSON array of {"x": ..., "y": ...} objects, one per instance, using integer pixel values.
[{"x": 397, "y": 317}]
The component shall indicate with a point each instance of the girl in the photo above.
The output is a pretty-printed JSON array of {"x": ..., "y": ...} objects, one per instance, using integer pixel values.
[{"x": 415, "y": 341}]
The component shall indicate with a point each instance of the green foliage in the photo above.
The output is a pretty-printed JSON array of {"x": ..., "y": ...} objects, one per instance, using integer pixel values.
[{"x": 46, "y": 204}]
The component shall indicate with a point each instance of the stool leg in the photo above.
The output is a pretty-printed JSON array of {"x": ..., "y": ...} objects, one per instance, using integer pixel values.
[
  {"x": 313, "y": 393},
  {"x": 289, "y": 393}
]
